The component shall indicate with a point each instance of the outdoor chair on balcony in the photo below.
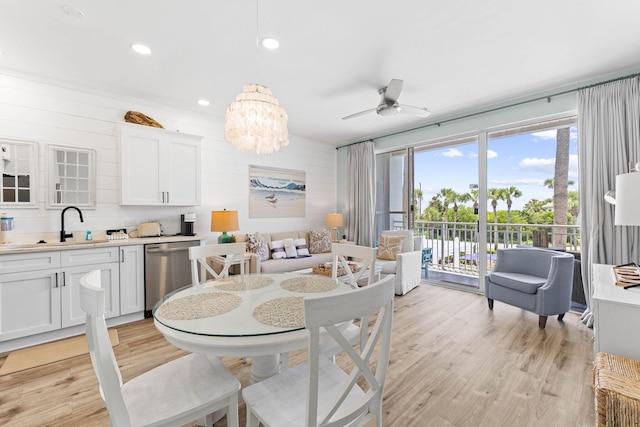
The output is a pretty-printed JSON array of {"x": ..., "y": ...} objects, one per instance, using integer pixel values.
[{"x": 536, "y": 280}]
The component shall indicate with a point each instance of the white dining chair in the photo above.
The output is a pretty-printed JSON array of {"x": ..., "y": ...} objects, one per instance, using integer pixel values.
[
  {"x": 318, "y": 392},
  {"x": 226, "y": 254},
  {"x": 175, "y": 393},
  {"x": 343, "y": 254}
]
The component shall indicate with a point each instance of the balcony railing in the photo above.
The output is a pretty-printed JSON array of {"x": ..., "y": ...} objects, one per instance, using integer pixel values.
[{"x": 455, "y": 245}]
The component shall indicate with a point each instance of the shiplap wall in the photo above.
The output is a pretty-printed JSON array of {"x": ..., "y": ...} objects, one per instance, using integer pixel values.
[{"x": 52, "y": 113}]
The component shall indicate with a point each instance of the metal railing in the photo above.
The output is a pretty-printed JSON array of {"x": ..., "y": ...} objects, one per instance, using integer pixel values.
[{"x": 455, "y": 245}]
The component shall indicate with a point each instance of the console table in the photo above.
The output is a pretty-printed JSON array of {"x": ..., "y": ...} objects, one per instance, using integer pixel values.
[{"x": 616, "y": 314}]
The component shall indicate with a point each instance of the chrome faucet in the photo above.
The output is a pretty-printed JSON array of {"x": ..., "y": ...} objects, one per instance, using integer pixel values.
[{"x": 63, "y": 234}]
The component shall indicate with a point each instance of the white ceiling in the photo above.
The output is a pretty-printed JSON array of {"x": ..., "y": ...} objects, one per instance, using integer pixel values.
[{"x": 454, "y": 56}]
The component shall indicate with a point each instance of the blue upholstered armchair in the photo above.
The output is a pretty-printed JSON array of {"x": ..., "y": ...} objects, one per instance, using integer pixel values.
[{"x": 536, "y": 280}]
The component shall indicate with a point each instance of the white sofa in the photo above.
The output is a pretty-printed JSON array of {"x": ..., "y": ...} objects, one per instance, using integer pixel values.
[
  {"x": 286, "y": 264},
  {"x": 408, "y": 264}
]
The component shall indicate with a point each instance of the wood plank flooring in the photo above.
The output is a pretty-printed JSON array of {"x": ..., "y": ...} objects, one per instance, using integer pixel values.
[{"x": 453, "y": 363}]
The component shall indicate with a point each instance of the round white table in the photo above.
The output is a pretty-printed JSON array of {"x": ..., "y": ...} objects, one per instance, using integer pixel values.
[{"x": 259, "y": 315}]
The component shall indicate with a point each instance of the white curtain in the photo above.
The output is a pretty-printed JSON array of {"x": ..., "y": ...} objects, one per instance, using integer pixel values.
[
  {"x": 608, "y": 139},
  {"x": 361, "y": 181}
]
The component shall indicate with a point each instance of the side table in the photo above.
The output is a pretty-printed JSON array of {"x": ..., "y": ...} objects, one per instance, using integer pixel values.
[{"x": 427, "y": 257}]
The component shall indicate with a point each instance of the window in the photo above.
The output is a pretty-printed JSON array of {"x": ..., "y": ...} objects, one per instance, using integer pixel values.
[
  {"x": 18, "y": 173},
  {"x": 71, "y": 177}
]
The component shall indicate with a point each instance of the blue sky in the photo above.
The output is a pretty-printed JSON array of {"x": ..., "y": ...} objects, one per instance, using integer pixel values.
[{"x": 523, "y": 161}]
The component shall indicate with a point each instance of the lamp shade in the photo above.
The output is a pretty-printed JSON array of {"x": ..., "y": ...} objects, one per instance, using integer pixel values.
[
  {"x": 224, "y": 221},
  {"x": 335, "y": 220},
  {"x": 628, "y": 199}
]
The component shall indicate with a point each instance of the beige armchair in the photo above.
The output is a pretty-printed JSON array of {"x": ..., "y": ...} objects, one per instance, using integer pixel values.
[{"x": 407, "y": 265}]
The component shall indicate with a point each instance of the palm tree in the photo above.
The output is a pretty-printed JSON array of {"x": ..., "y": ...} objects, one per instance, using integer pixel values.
[
  {"x": 510, "y": 192},
  {"x": 495, "y": 194},
  {"x": 447, "y": 195},
  {"x": 417, "y": 194},
  {"x": 560, "y": 187}
]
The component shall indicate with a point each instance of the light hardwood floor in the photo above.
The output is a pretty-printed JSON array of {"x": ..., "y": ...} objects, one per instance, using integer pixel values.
[{"x": 454, "y": 363}]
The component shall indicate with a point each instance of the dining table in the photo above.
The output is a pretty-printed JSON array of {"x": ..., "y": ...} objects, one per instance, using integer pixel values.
[{"x": 255, "y": 315}]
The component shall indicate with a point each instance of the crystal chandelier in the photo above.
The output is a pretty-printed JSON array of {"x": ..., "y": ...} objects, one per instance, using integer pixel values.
[{"x": 255, "y": 121}]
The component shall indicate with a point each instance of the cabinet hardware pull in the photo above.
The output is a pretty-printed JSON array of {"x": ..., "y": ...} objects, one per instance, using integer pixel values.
[
  {"x": 167, "y": 197},
  {"x": 121, "y": 255},
  {"x": 64, "y": 279},
  {"x": 163, "y": 197},
  {"x": 56, "y": 279}
]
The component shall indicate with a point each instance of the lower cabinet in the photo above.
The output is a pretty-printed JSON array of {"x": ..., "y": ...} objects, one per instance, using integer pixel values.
[
  {"x": 40, "y": 292},
  {"x": 131, "y": 279}
]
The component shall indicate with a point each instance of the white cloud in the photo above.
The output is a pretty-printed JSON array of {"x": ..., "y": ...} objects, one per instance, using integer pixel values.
[
  {"x": 491, "y": 154},
  {"x": 534, "y": 163},
  {"x": 546, "y": 134},
  {"x": 452, "y": 152}
]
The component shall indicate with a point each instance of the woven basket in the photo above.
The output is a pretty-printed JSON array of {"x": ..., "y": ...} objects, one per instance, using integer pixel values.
[
  {"x": 616, "y": 382},
  {"x": 326, "y": 269}
]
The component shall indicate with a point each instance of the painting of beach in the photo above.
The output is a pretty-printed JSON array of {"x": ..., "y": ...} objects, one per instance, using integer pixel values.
[{"x": 276, "y": 193}]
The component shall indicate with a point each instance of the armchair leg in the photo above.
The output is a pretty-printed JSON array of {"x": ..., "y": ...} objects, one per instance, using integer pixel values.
[
  {"x": 560, "y": 317},
  {"x": 542, "y": 322},
  {"x": 490, "y": 302}
]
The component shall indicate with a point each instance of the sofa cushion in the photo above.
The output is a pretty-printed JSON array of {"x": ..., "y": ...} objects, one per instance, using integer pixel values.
[
  {"x": 257, "y": 244},
  {"x": 319, "y": 241},
  {"x": 277, "y": 249},
  {"x": 301, "y": 247},
  {"x": 290, "y": 248},
  {"x": 520, "y": 282},
  {"x": 386, "y": 267},
  {"x": 407, "y": 244},
  {"x": 390, "y": 247}
]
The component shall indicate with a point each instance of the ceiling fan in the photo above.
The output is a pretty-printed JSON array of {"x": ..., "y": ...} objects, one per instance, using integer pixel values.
[{"x": 389, "y": 105}]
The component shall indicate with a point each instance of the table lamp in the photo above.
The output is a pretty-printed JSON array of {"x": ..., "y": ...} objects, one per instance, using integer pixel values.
[
  {"x": 335, "y": 220},
  {"x": 223, "y": 221},
  {"x": 626, "y": 199}
]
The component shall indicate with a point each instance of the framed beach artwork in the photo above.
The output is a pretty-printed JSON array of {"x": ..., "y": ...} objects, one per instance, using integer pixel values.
[{"x": 276, "y": 193}]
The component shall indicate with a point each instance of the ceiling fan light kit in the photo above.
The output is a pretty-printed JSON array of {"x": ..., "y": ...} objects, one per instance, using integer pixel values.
[
  {"x": 255, "y": 122},
  {"x": 389, "y": 105}
]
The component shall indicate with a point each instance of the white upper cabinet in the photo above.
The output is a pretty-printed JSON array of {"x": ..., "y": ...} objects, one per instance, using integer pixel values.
[{"x": 159, "y": 167}]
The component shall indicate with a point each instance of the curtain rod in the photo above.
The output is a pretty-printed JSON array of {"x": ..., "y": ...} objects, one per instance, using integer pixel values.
[{"x": 491, "y": 110}]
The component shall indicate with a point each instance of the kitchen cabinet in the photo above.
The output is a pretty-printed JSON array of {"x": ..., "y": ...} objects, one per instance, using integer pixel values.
[
  {"x": 131, "y": 279},
  {"x": 39, "y": 292},
  {"x": 159, "y": 167},
  {"x": 616, "y": 313}
]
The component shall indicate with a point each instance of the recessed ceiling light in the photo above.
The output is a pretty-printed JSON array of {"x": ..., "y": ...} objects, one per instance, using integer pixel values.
[
  {"x": 203, "y": 102},
  {"x": 270, "y": 43},
  {"x": 72, "y": 11},
  {"x": 141, "y": 49}
]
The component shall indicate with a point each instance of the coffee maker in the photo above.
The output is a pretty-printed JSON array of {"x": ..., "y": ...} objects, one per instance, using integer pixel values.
[{"x": 187, "y": 224}]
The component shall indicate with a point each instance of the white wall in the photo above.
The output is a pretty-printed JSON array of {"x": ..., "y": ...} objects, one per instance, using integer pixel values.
[{"x": 50, "y": 113}]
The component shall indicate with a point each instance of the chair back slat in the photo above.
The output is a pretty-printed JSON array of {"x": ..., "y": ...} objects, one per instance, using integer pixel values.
[
  {"x": 327, "y": 313},
  {"x": 225, "y": 253},
  {"x": 364, "y": 255},
  {"x": 102, "y": 357}
]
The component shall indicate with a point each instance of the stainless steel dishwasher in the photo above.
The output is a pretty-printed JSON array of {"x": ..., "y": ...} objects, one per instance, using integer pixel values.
[{"x": 166, "y": 268}]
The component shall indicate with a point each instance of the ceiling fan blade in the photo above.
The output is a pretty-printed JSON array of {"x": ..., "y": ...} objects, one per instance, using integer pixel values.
[
  {"x": 414, "y": 111},
  {"x": 361, "y": 113},
  {"x": 392, "y": 92}
]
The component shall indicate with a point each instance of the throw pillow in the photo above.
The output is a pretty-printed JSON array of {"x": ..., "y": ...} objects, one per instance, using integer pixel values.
[
  {"x": 319, "y": 241},
  {"x": 277, "y": 249},
  {"x": 290, "y": 248},
  {"x": 390, "y": 247},
  {"x": 301, "y": 247},
  {"x": 257, "y": 244}
]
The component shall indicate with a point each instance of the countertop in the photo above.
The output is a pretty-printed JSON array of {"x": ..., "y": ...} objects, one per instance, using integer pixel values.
[{"x": 12, "y": 248}]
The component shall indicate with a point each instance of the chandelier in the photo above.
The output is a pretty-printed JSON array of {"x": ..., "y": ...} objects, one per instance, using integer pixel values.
[{"x": 255, "y": 121}]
